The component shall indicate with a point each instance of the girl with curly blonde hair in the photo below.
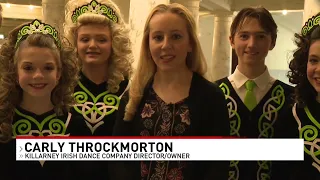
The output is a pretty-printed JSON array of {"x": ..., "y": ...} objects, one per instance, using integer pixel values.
[
  {"x": 97, "y": 29},
  {"x": 37, "y": 78},
  {"x": 101, "y": 37}
]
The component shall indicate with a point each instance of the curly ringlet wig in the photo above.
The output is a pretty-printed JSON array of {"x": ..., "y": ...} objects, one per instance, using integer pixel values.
[
  {"x": 121, "y": 58},
  {"x": 11, "y": 92},
  {"x": 304, "y": 91}
]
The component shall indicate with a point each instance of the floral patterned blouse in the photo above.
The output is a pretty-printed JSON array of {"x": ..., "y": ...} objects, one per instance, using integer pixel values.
[{"x": 161, "y": 119}]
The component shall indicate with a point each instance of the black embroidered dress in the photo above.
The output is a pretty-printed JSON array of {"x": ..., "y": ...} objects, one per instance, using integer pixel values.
[{"x": 161, "y": 119}]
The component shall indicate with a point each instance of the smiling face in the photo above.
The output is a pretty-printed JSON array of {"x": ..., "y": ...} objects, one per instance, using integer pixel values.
[
  {"x": 251, "y": 43},
  {"x": 37, "y": 71},
  {"x": 313, "y": 66},
  {"x": 169, "y": 41},
  {"x": 94, "y": 43}
]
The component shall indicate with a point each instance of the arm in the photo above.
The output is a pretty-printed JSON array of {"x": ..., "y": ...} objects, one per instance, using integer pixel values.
[
  {"x": 122, "y": 127},
  {"x": 210, "y": 118},
  {"x": 285, "y": 127},
  {"x": 123, "y": 170},
  {"x": 77, "y": 125},
  {"x": 217, "y": 125}
]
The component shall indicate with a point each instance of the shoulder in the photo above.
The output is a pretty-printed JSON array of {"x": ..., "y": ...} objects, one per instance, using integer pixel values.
[
  {"x": 123, "y": 88},
  {"x": 286, "y": 90},
  {"x": 202, "y": 82},
  {"x": 76, "y": 125},
  {"x": 222, "y": 80},
  {"x": 285, "y": 86},
  {"x": 202, "y": 87},
  {"x": 123, "y": 85}
]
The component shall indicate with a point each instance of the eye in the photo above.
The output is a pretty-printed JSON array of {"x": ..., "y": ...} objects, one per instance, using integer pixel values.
[
  {"x": 176, "y": 36},
  {"x": 313, "y": 61},
  {"x": 102, "y": 40},
  {"x": 49, "y": 68},
  {"x": 244, "y": 36},
  {"x": 27, "y": 68},
  {"x": 84, "y": 39},
  {"x": 158, "y": 37},
  {"x": 261, "y": 36}
]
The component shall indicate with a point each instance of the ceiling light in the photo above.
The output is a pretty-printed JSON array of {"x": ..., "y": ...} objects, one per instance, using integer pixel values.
[{"x": 284, "y": 12}]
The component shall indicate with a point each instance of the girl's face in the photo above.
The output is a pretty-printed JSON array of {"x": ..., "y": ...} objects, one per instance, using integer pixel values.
[
  {"x": 38, "y": 71},
  {"x": 169, "y": 41},
  {"x": 94, "y": 44},
  {"x": 313, "y": 65}
]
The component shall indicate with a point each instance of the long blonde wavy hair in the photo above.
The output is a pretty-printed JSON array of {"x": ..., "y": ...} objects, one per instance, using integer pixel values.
[
  {"x": 11, "y": 92},
  {"x": 146, "y": 67},
  {"x": 121, "y": 57}
]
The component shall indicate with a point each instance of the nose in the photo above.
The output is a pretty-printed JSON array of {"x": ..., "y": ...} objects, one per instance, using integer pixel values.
[
  {"x": 317, "y": 68},
  {"x": 92, "y": 44},
  {"x": 252, "y": 41},
  {"x": 38, "y": 74},
  {"x": 167, "y": 44}
]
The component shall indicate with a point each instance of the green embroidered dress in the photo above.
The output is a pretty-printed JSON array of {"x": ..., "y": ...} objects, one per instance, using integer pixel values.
[
  {"x": 303, "y": 122},
  {"x": 47, "y": 124},
  {"x": 96, "y": 105},
  {"x": 257, "y": 123}
]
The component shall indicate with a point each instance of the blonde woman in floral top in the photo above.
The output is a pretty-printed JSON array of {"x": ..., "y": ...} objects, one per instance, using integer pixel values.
[{"x": 170, "y": 96}]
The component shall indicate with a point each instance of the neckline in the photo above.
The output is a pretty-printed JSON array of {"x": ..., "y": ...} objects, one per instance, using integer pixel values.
[
  {"x": 29, "y": 113},
  {"x": 166, "y": 103},
  {"x": 88, "y": 82}
]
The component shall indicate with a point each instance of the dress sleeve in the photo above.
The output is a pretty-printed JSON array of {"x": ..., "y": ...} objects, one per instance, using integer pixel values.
[
  {"x": 210, "y": 118},
  {"x": 286, "y": 127},
  {"x": 122, "y": 127},
  {"x": 77, "y": 125},
  {"x": 123, "y": 170},
  {"x": 217, "y": 124}
]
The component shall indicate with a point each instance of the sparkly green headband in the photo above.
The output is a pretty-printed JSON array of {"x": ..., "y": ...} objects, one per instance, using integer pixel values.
[
  {"x": 36, "y": 26},
  {"x": 310, "y": 25},
  {"x": 96, "y": 8}
]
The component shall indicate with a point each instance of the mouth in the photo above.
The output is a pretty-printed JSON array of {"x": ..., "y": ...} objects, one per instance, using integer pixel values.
[
  {"x": 38, "y": 85},
  {"x": 92, "y": 53},
  {"x": 252, "y": 53},
  {"x": 167, "y": 57},
  {"x": 317, "y": 80}
]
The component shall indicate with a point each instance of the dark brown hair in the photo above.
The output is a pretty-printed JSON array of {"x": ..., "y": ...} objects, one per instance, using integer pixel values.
[
  {"x": 304, "y": 91},
  {"x": 262, "y": 15}
]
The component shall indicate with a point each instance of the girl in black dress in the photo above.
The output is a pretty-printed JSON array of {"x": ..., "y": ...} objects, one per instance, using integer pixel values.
[
  {"x": 303, "y": 121},
  {"x": 37, "y": 78}
]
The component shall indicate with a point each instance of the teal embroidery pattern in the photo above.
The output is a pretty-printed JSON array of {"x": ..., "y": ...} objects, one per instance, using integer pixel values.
[
  {"x": 235, "y": 123},
  {"x": 24, "y": 126},
  {"x": 310, "y": 135},
  {"x": 270, "y": 114},
  {"x": 94, "y": 111}
]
